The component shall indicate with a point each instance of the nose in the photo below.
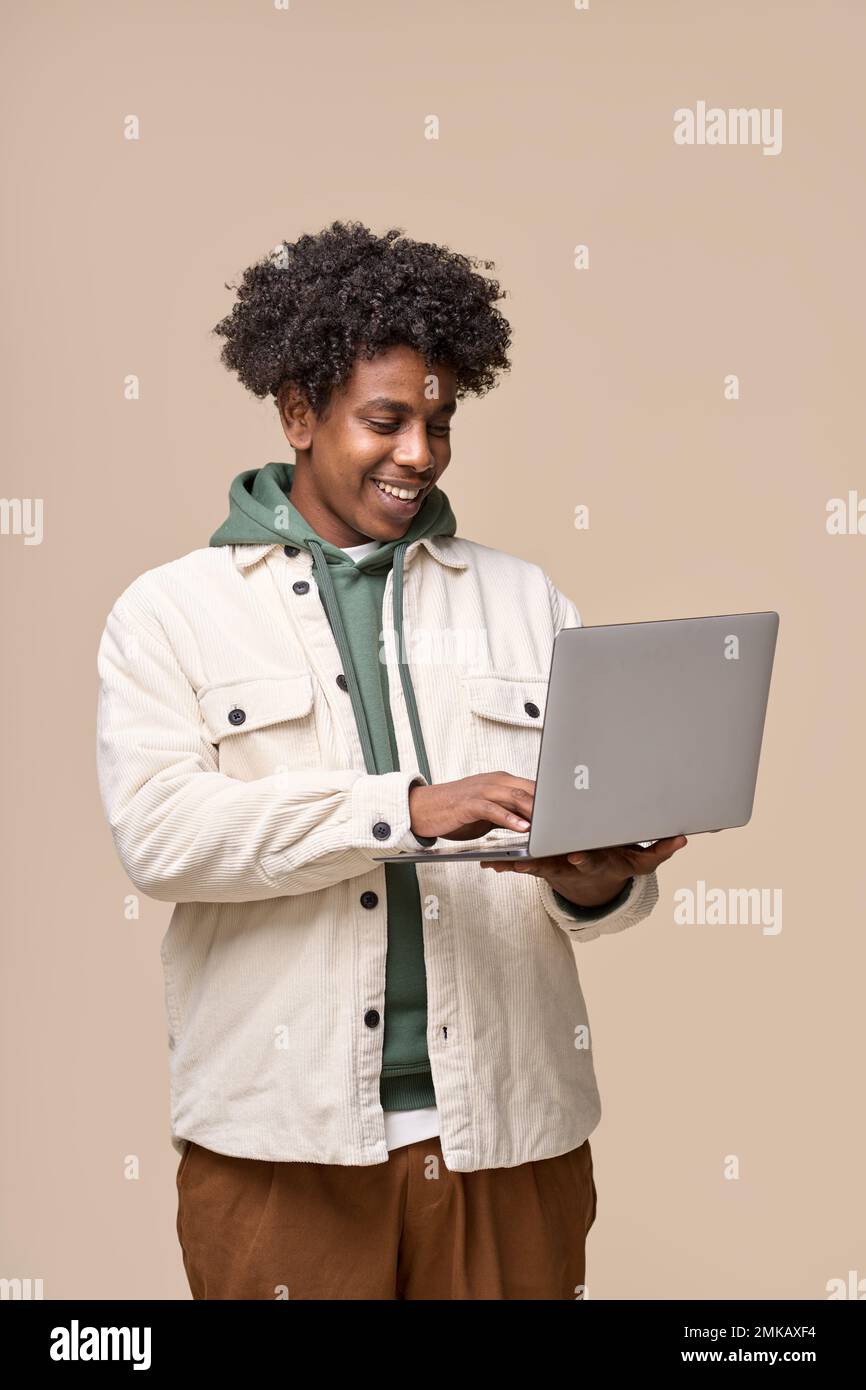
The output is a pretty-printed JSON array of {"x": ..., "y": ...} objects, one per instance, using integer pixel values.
[{"x": 413, "y": 450}]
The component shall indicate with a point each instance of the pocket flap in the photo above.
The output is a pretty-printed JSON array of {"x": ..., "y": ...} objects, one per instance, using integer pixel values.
[
  {"x": 508, "y": 699},
  {"x": 240, "y": 706}
]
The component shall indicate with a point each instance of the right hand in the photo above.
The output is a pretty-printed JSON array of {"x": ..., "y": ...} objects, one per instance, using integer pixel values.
[{"x": 470, "y": 807}]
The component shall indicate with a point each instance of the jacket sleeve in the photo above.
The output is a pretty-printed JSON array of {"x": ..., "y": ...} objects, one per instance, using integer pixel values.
[
  {"x": 183, "y": 830},
  {"x": 639, "y": 895}
]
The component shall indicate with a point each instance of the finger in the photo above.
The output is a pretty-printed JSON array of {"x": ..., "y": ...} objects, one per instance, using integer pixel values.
[
  {"x": 657, "y": 853},
  {"x": 482, "y": 809},
  {"x": 645, "y": 860},
  {"x": 585, "y": 859},
  {"x": 515, "y": 866},
  {"x": 525, "y": 784},
  {"x": 516, "y": 792}
]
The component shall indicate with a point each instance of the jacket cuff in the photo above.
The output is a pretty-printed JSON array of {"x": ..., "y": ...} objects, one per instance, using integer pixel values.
[
  {"x": 425, "y": 841},
  {"x": 636, "y": 901},
  {"x": 592, "y": 914},
  {"x": 380, "y": 812}
]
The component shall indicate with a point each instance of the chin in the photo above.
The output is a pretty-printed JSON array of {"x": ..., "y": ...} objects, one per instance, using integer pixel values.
[{"x": 379, "y": 530}]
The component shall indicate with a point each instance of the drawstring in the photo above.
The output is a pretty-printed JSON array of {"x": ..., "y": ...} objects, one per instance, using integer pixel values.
[
  {"x": 332, "y": 606},
  {"x": 405, "y": 678}
]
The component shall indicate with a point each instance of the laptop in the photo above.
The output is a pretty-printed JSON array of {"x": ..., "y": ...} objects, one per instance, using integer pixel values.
[{"x": 650, "y": 729}]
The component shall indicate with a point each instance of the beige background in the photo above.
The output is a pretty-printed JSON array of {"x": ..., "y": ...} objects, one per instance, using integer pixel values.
[{"x": 556, "y": 129}]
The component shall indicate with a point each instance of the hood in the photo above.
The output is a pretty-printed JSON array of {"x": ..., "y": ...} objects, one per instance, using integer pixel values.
[{"x": 260, "y": 509}]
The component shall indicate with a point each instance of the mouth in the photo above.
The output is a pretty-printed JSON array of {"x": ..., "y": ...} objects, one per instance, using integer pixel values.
[{"x": 399, "y": 499}]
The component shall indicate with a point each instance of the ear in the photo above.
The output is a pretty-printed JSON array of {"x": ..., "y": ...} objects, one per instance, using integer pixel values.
[{"x": 296, "y": 415}]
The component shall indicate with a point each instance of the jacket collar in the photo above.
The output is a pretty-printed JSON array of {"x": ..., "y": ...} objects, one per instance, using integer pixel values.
[{"x": 244, "y": 556}]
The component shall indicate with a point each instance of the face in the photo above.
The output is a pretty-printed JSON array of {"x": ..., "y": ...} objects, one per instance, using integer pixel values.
[{"x": 380, "y": 428}]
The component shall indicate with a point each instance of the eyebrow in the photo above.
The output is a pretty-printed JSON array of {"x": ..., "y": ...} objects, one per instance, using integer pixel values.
[{"x": 402, "y": 407}]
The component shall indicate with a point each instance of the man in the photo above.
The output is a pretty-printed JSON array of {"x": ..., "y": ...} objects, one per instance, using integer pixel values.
[{"x": 382, "y": 1084}]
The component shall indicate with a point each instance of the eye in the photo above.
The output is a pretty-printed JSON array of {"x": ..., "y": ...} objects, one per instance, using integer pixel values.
[{"x": 388, "y": 427}]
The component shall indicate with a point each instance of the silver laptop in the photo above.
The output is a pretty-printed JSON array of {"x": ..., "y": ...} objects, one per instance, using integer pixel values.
[{"x": 650, "y": 729}]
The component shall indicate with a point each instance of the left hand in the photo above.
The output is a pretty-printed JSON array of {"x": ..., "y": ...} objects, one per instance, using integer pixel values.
[{"x": 592, "y": 877}]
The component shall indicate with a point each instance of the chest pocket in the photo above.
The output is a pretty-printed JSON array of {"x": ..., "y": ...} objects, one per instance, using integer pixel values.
[
  {"x": 506, "y": 714},
  {"x": 262, "y": 726}
]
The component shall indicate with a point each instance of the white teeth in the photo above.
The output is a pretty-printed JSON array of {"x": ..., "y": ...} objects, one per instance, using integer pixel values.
[{"x": 406, "y": 494}]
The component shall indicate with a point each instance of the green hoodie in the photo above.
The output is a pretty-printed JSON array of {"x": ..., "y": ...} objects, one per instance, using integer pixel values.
[{"x": 352, "y": 593}]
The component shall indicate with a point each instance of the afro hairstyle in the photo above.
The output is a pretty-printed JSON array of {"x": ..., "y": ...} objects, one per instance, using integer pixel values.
[{"x": 306, "y": 312}]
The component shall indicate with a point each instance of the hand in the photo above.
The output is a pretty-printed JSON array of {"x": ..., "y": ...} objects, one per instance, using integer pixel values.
[
  {"x": 470, "y": 807},
  {"x": 592, "y": 877}
]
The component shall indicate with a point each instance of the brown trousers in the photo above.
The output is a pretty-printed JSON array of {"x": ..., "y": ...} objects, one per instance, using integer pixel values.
[{"x": 408, "y": 1228}]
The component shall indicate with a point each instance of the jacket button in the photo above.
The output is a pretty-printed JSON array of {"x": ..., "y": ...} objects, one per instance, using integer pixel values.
[
  {"x": 300, "y": 586},
  {"x": 290, "y": 550},
  {"x": 342, "y": 682},
  {"x": 532, "y": 709},
  {"x": 381, "y": 830},
  {"x": 371, "y": 1018},
  {"x": 369, "y": 899},
  {"x": 237, "y": 716}
]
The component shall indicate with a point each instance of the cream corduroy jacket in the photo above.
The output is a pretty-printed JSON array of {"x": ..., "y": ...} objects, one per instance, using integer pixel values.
[{"x": 259, "y": 826}]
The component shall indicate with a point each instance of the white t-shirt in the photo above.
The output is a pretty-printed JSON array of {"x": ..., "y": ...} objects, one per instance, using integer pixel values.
[{"x": 401, "y": 1126}]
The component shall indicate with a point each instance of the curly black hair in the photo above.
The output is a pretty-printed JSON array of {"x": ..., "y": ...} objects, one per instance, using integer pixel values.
[{"x": 307, "y": 311}]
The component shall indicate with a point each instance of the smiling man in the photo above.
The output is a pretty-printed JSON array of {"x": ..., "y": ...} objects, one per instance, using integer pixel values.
[{"x": 382, "y": 1085}]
